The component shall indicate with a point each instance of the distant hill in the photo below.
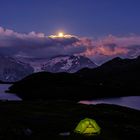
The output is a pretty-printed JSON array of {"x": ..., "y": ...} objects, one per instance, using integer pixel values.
[
  {"x": 118, "y": 72},
  {"x": 46, "y": 85},
  {"x": 117, "y": 77}
]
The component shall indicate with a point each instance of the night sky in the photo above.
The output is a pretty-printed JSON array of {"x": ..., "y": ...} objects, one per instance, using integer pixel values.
[
  {"x": 102, "y": 29},
  {"x": 80, "y": 17}
]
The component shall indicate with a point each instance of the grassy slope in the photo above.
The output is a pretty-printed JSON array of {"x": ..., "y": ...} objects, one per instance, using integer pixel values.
[{"x": 47, "y": 119}]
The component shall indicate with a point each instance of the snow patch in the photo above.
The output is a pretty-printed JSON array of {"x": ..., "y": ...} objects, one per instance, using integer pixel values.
[
  {"x": 57, "y": 60},
  {"x": 67, "y": 65}
]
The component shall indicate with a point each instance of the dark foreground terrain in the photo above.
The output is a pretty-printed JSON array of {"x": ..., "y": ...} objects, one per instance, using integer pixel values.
[{"x": 46, "y": 120}]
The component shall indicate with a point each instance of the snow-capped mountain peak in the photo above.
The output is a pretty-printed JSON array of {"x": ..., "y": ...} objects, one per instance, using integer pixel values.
[
  {"x": 68, "y": 63},
  {"x": 15, "y": 68}
]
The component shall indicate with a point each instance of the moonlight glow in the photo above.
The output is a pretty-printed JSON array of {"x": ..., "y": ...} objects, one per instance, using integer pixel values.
[{"x": 62, "y": 35}]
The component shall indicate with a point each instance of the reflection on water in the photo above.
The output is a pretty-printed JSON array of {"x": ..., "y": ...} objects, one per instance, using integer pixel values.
[
  {"x": 7, "y": 96},
  {"x": 129, "y": 101}
]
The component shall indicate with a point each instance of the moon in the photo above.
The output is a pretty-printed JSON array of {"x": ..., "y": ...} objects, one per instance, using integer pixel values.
[{"x": 60, "y": 34}]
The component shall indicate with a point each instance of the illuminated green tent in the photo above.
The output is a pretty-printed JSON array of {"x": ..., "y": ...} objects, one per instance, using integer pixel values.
[{"x": 88, "y": 127}]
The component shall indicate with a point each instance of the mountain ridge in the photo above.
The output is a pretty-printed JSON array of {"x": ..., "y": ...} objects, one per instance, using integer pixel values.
[
  {"x": 12, "y": 70},
  {"x": 19, "y": 67},
  {"x": 102, "y": 81}
]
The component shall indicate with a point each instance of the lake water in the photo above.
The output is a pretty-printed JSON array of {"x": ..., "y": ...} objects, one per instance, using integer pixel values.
[
  {"x": 128, "y": 101},
  {"x": 7, "y": 96}
]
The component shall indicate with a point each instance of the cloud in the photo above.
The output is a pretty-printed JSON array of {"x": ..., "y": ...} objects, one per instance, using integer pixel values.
[
  {"x": 39, "y": 45},
  {"x": 106, "y": 48},
  {"x": 35, "y": 44}
]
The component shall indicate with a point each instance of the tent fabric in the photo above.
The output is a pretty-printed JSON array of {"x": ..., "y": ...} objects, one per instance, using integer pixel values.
[{"x": 88, "y": 126}]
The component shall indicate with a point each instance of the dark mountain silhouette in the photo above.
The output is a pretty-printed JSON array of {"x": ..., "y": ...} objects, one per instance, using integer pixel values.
[
  {"x": 118, "y": 77},
  {"x": 118, "y": 73}
]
